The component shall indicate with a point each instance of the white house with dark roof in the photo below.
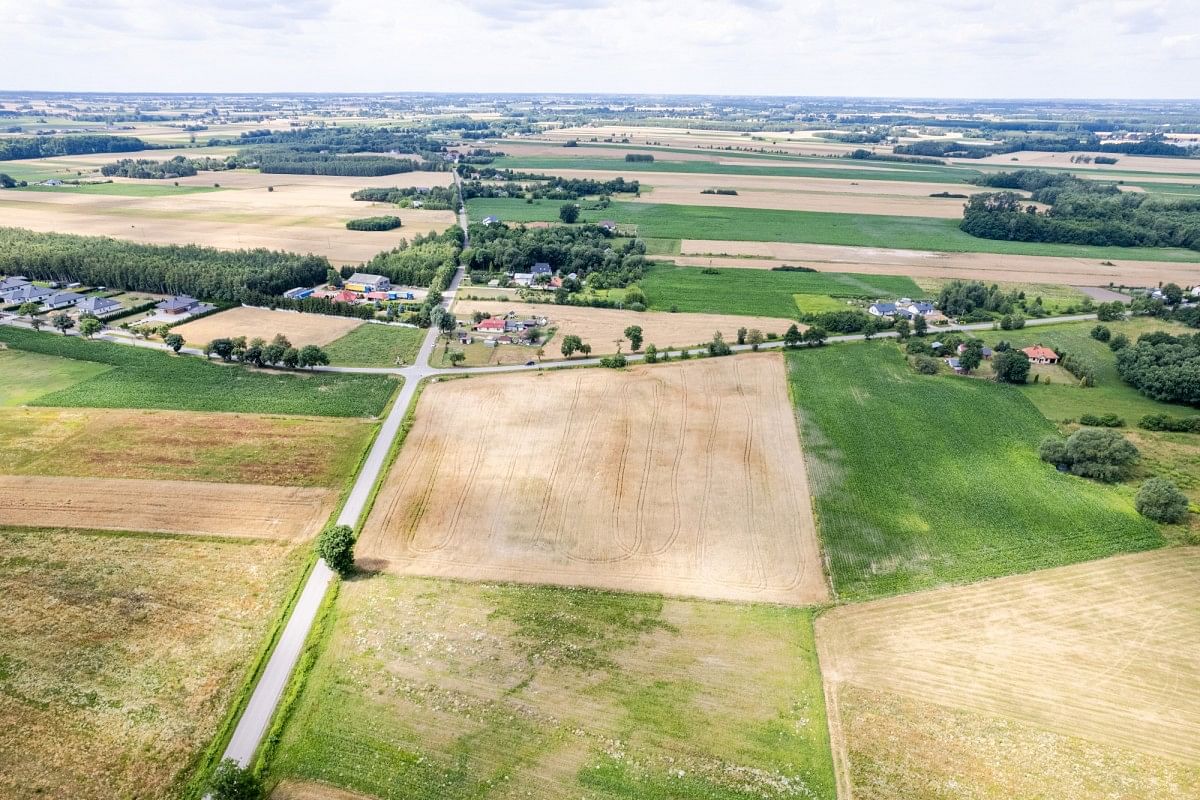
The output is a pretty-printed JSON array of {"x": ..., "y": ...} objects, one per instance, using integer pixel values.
[
  {"x": 881, "y": 309},
  {"x": 11, "y": 284},
  {"x": 27, "y": 294},
  {"x": 98, "y": 306},
  {"x": 61, "y": 300},
  {"x": 491, "y": 220},
  {"x": 179, "y": 304}
]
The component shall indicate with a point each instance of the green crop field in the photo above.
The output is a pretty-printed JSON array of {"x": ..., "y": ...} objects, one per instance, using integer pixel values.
[
  {"x": 924, "y": 480},
  {"x": 139, "y": 378},
  {"x": 158, "y": 189},
  {"x": 26, "y": 376},
  {"x": 930, "y": 174},
  {"x": 759, "y": 291},
  {"x": 662, "y": 221},
  {"x": 439, "y": 690},
  {"x": 819, "y": 303},
  {"x": 1064, "y": 398},
  {"x": 372, "y": 345}
]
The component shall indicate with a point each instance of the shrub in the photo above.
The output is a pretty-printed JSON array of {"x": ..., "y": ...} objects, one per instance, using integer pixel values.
[
  {"x": 230, "y": 782},
  {"x": 1101, "y": 333},
  {"x": 1102, "y": 421},
  {"x": 614, "y": 362},
  {"x": 1102, "y": 455},
  {"x": 1118, "y": 342},
  {"x": 1165, "y": 422},
  {"x": 385, "y": 223},
  {"x": 1160, "y": 500},
  {"x": 1110, "y": 312},
  {"x": 926, "y": 365},
  {"x": 336, "y": 546}
]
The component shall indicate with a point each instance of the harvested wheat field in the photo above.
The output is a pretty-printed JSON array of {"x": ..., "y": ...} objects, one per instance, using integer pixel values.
[
  {"x": 182, "y": 445},
  {"x": 117, "y": 504},
  {"x": 307, "y": 790},
  {"x": 121, "y": 654},
  {"x": 300, "y": 329},
  {"x": 1087, "y": 672},
  {"x": 930, "y": 264},
  {"x": 304, "y": 214},
  {"x": 686, "y": 479},
  {"x": 601, "y": 327}
]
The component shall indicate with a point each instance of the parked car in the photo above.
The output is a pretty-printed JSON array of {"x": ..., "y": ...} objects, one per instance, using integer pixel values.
[{"x": 529, "y": 363}]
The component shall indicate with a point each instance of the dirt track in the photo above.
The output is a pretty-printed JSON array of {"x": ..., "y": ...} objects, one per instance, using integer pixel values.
[
  {"x": 1104, "y": 651},
  {"x": 218, "y": 509},
  {"x": 600, "y": 327},
  {"x": 300, "y": 329},
  {"x": 684, "y": 479},
  {"x": 929, "y": 264}
]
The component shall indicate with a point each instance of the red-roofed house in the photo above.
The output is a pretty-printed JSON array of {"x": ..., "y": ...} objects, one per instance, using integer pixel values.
[
  {"x": 493, "y": 325},
  {"x": 345, "y": 297},
  {"x": 1040, "y": 355}
]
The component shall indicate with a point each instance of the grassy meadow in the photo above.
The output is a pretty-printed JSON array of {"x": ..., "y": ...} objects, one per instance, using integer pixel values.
[
  {"x": 661, "y": 221},
  {"x": 372, "y": 345},
  {"x": 445, "y": 690},
  {"x": 760, "y": 292},
  {"x": 122, "y": 653},
  {"x": 920, "y": 481},
  {"x": 26, "y": 376},
  {"x": 140, "y": 378}
]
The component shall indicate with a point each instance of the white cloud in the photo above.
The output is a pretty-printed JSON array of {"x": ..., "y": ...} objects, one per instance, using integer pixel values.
[{"x": 960, "y": 48}]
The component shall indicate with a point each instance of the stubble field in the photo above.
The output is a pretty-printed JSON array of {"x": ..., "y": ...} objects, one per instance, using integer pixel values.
[
  {"x": 1077, "y": 682},
  {"x": 121, "y": 654},
  {"x": 300, "y": 329},
  {"x": 683, "y": 479}
]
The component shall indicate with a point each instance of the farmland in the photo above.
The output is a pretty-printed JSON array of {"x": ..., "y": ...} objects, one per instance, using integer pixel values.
[
  {"x": 122, "y": 189},
  {"x": 547, "y": 693},
  {"x": 683, "y": 479},
  {"x": 1071, "y": 683},
  {"x": 175, "y": 445},
  {"x": 299, "y": 329},
  {"x": 376, "y": 346},
  {"x": 140, "y": 378},
  {"x": 122, "y": 654},
  {"x": 288, "y": 513},
  {"x": 755, "y": 292},
  {"x": 26, "y": 376},
  {"x": 601, "y": 327},
  {"x": 920, "y": 481},
  {"x": 767, "y": 225}
]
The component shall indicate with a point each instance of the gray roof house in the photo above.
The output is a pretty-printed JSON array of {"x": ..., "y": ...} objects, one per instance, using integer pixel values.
[
  {"x": 882, "y": 309},
  {"x": 541, "y": 268},
  {"x": 98, "y": 306},
  {"x": 490, "y": 220},
  {"x": 9, "y": 284},
  {"x": 180, "y": 304},
  {"x": 62, "y": 300},
  {"x": 27, "y": 294}
]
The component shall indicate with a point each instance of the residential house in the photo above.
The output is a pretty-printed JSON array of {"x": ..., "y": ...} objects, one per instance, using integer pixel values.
[
  {"x": 12, "y": 284},
  {"x": 180, "y": 304},
  {"x": 608, "y": 225},
  {"x": 299, "y": 293},
  {"x": 27, "y": 294},
  {"x": 986, "y": 352},
  {"x": 912, "y": 309},
  {"x": 61, "y": 300},
  {"x": 492, "y": 325},
  {"x": 365, "y": 282},
  {"x": 542, "y": 268},
  {"x": 345, "y": 296},
  {"x": 523, "y": 278},
  {"x": 491, "y": 220},
  {"x": 882, "y": 309},
  {"x": 1040, "y": 355},
  {"x": 955, "y": 365},
  {"x": 98, "y": 306}
]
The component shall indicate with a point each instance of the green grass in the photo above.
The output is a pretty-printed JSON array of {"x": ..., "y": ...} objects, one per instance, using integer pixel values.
[
  {"x": 661, "y": 221},
  {"x": 925, "y": 480},
  {"x": 436, "y": 689},
  {"x": 371, "y": 345},
  {"x": 1064, "y": 398},
  {"x": 819, "y": 303},
  {"x": 123, "y": 189},
  {"x": 139, "y": 378},
  {"x": 759, "y": 292},
  {"x": 25, "y": 376},
  {"x": 887, "y": 172}
]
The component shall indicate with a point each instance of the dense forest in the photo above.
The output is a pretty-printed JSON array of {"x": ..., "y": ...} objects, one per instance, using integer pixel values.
[
  {"x": 177, "y": 167},
  {"x": 418, "y": 262},
  {"x": 75, "y": 145},
  {"x": 1081, "y": 212},
  {"x": 1150, "y": 146},
  {"x": 586, "y": 250},
  {"x": 361, "y": 151},
  {"x": 1163, "y": 367},
  {"x": 173, "y": 269}
]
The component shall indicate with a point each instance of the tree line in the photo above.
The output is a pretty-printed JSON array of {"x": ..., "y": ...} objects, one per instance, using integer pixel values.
[
  {"x": 1153, "y": 145},
  {"x": 20, "y": 147},
  {"x": 177, "y": 167}
]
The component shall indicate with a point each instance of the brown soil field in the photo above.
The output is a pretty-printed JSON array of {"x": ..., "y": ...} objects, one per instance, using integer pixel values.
[
  {"x": 117, "y": 504},
  {"x": 121, "y": 655},
  {"x": 304, "y": 214},
  {"x": 800, "y": 142},
  {"x": 1027, "y": 159},
  {"x": 684, "y": 479},
  {"x": 929, "y": 264},
  {"x": 182, "y": 445},
  {"x": 1102, "y": 652},
  {"x": 600, "y": 327},
  {"x": 307, "y": 790},
  {"x": 810, "y": 201},
  {"x": 300, "y": 329}
]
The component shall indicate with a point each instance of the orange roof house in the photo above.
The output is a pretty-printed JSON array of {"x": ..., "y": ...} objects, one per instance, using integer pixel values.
[{"x": 1040, "y": 355}]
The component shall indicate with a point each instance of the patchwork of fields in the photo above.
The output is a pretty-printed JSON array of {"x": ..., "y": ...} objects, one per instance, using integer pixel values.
[{"x": 682, "y": 479}]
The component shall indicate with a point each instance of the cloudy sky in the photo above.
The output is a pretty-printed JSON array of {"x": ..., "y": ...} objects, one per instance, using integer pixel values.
[{"x": 946, "y": 48}]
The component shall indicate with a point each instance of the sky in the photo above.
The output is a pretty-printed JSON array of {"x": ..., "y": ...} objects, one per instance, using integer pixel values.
[{"x": 877, "y": 48}]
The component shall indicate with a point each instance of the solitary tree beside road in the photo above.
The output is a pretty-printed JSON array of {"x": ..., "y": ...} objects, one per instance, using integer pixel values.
[{"x": 63, "y": 322}]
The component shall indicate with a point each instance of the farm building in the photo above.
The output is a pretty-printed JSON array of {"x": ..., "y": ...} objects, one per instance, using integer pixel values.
[
  {"x": 365, "y": 282},
  {"x": 344, "y": 296},
  {"x": 98, "y": 306},
  {"x": 180, "y": 304},
  {"x": 61, "y": 300},
  {"x": 1040, "y": 355},
  {"x": 299, "y": 293}
]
